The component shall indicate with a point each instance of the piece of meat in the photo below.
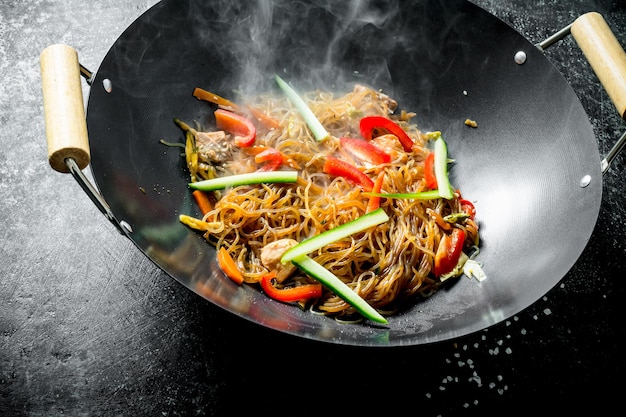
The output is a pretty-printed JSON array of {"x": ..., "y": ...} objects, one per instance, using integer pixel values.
[
  {"x": 271, "y": 254},
  {"x": 390, "y": 144},
  {"x": 391, "y": 103},
  {"x": 213, "y": 147}
]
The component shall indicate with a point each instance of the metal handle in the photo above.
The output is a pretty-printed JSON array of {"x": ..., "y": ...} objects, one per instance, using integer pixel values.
[
  {"x": 605, "y": 55},
  {"x": 607, "y": 59},
  {"x": 66, "y": 125}
]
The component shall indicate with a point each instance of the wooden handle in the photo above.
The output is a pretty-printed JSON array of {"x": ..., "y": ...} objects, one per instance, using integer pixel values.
[
  {"x": 64, "y": 111},
  {"x": 605, "y": 55}
]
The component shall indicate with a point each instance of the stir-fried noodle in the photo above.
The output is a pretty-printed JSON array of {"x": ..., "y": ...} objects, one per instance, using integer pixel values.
[{"x": 384, "y": 264}]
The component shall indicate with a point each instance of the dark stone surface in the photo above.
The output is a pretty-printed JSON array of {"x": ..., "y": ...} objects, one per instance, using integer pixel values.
[{"x": 89, "y": 326}]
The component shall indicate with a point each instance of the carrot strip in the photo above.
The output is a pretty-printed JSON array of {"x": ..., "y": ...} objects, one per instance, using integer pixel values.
[
  {"x": 201, "y": 94},
  {"x": 228, "y": 266},
  {"x": 261, "y": 117},
  {"x": 374, "y": 201},
  {"x": 202, "y": 200}
]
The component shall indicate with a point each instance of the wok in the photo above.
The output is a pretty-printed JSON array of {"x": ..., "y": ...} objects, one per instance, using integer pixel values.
[{"x": 532, "y": 166}]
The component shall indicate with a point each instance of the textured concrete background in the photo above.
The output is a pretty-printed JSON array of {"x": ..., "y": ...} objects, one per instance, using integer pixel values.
[{"x": 89, "y": 326}]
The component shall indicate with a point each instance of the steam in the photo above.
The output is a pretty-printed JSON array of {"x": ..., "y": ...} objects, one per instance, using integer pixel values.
[
  {"x": 316, "y": 44},
  {"x": 235, "y": 47}
]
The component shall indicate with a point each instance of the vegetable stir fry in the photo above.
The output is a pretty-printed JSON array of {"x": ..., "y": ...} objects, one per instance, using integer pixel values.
[{"x": 338, "y": 204}]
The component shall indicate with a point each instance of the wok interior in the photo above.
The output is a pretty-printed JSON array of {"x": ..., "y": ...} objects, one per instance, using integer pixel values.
[{"x": 446, "y": 61}]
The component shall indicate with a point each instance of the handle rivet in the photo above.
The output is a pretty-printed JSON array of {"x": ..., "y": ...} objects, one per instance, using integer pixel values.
[
  {"x": 520, "y": 57},
  {"x": 127, "y": 227},
  {"x": 108, "y": 85},
  {"x": 585, "y": 181}
]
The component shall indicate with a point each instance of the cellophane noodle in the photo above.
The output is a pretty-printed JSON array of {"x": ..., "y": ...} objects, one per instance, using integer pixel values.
[{"x": 385, "y": 264}]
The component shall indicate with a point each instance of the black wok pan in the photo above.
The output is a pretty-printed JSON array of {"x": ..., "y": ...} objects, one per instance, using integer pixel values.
[{"x": 532, "y": 165}]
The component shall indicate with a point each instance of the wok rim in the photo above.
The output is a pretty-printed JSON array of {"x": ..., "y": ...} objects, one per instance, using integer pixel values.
[{"x": 370, "y": 335}]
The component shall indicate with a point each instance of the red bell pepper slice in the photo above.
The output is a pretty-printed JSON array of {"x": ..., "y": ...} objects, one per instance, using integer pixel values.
[
  {"x": 273, "y": 159},
  {"x": 370, "y": 123},
  {"x": 429, "y": 171},
  {"x": 242, "y": 128},
  {"x": 468, "y": 207},
  {"x": 339, "y": 168},
  {"x": 449, "y": 252},
  {"x": 303, "y": 292},
  {"x": 365, "y": 150}
]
